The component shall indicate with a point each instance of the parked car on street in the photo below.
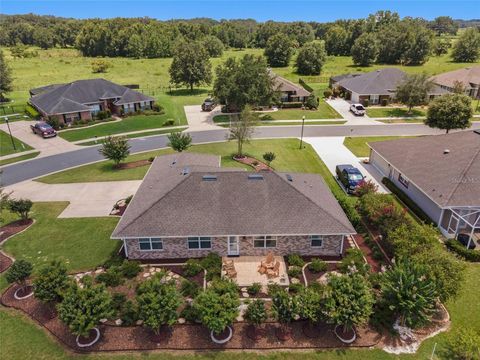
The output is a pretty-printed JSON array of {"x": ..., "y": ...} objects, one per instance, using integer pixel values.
[
  {"x": 349, "y": 176},
  {"x": 464, "y": 239},
  {"x": 209, "y": 104},
  {"x": 357, "y": 109},
  {"x": 43, "y": 129}
]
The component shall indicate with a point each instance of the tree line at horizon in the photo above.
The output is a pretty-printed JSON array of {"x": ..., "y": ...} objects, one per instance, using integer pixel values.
[{"x": 382, "y": 37}]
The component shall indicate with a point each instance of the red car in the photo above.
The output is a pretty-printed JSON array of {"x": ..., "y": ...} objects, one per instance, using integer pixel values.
[{"x": 43, "y": 129}]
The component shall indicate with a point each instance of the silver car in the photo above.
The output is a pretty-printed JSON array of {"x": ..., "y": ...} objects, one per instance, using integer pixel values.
[{"x": 357, "y": 109}]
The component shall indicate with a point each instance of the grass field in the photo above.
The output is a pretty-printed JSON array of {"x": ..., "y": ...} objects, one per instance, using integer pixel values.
[
  {"x": 379, "y": 112},
  {"x": 358, "y": 145},
  {"x": 19, "y": 158},
  {"x": 6, "y": 146},
  {"x": 83, "y": 242}
]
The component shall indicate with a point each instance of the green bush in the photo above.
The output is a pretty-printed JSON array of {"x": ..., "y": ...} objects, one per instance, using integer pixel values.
[
  {"x": 102, "y": 115},
  {"x": 292, "y": 105},
  {"x": 190, "y": 314},
  {"x": 254, "y": 289},
  {"x": 317, "y": 266},
  {"x": 295, "y": 288},
  {"x": 118, "y": 300},
  {"x": 273, "y": 289},
  {"x": 348, "y": 206},
  {"x": 212, "y": 263},
  {"x": 53, "y": 122},
  {"x": 111, "y": 278},
  {"x": 469, "y": 255},
  {"x": 129, "y": 313},
  {"x": 354, "y": 258},
  {"x": 32, "y": 112},
  {"x": 169, "y": 123},
  {"x": 295, "y": 260},
  {"x": 294, "y": 272},
  {"x": 464, "y": 344},
  {"x": 192, "y": 267},
  {"x": 130, "y": 268},
  {"x": 224, "y": 287},
  {"x": 327, "y": 93},
  {"x": 189, "y": 288}
]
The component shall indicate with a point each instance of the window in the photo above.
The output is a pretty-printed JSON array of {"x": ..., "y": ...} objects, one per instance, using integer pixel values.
[
  {"x": 199, "y": 242},
  {"x": 316, "y": 240},
  {"x": 403, "y": 181},
  {"x": 265, "y": 242},
  {"x": 149, "y": 244}
]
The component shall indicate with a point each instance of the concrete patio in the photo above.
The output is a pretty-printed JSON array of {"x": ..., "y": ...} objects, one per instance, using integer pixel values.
[{"x": 247, "y": 271}]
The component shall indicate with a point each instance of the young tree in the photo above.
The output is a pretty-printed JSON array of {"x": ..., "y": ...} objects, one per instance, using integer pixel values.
[
  {"x": 269, "y": 157},
  {"x": 158, "y": 303},
  {"x": 450, "y": 111},
  {"x": 284, "y": 309},
  {"x": 279, "y": 50},
  {"x": 444, "y": 25},
  {"x": 310, "y": 302},
  {"x": 337, "y": 41},
  {"x": 242, "y": 129},
  {"x": 365, "y": 49},
  {"x": 100, "y": 66},
  {"x": 51, "y": 282},
  {"x": 82, "y": 308},
  {"x": 191, "y": 65},
  {"x": 312, "y": 102},
  {"x": 467, "y": 47},
  {"x": 179, "y": 141},
  {"x": 5, "y": 77},
  {"x": 256, "y": 314},
  {"x": 310, "y": 58},
  {"x": 115, "y": 148},
  {"x": 350, "y": 301},
  {"x": 409, "y": 293},
  {"x": 20, "y": 206},
  {"x": 216, "y": 311},
  {"x": 440, "y": 47},
  {"x": 244, "y": 82},
  {"x": 19, "y": 272},
  {"x": 413, "y": 91}
]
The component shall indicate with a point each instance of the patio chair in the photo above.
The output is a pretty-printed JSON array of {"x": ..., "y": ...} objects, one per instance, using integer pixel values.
[
  {"x": 269, "y": 261},
  {"x": 271, "y": 273}
]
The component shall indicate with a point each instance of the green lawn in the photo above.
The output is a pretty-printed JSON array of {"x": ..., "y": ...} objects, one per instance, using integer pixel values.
[
  {"x": 358, "y": 145},
  {"x": 6, "y": 146},
  {"x": 83, "y": 243},
  {"x": 19, "y": 158},
  {"x": 137, "y": 135},
  {"x": 324, "y": 111},
  {"x": 379, "y": 112}
]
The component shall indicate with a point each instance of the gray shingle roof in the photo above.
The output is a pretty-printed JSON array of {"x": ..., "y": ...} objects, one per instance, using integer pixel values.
[
  {"x": 72, "y": 97},
  {"x": 449, "y": 179},
  {"x": 381, "y": 82},
  {"x": 171, "y": 204},
  {"x": 468, "y": 77},
  {"x": 282, "y": 84}
]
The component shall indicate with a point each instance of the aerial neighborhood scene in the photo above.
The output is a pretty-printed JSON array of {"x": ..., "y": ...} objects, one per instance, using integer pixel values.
[{"x": 239, "y": 180}]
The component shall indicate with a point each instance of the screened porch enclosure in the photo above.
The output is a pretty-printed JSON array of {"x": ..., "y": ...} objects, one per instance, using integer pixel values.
[{"x": 462, "y": 220}]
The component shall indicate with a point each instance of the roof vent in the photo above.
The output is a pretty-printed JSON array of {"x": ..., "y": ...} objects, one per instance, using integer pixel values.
[
  {"x": 446, "y": 151},
  {"x": 289, "y": 177},
  {"x": 255, "y": 177},
  {"x": 209, "y": 177},
  {"x": 185, "y": 171}
]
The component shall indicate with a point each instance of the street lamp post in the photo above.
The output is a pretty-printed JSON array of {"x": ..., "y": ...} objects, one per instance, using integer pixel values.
[
  {"x": 301, "y": 136},
  {"x": 10, "y": 132}
]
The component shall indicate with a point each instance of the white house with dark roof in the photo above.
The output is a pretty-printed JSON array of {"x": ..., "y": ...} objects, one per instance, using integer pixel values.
[
  {"x": 441, "y": 173},
  {"x": 188, "y": 206},
  {"x": 82, "y": 99}
]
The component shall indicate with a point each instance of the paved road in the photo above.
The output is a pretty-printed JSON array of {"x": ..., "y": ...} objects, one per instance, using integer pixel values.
[{"x": 37, "y": 167}]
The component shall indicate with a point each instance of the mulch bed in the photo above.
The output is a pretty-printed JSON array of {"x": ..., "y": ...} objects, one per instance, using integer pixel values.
[
  {"x": 13, "y": 228},
  {"x": 368, "y": 253},
  {"x": 188, "y": 336},
  {"x": 313, "y": 277},
  {"x": 5, "y": 262},
  {"x": 254, "y": 163},
  {"x": 133, "y": 164},
  {"x": 380, "y": 240},
  {"x": 178, "y": 269}
]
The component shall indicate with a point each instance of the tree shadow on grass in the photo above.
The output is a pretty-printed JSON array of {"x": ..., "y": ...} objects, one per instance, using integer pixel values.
[{"x": 188, "y": 92}]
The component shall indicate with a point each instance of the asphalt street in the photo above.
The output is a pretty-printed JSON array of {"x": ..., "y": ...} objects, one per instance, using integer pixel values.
[{"x": 38, "y": 167}]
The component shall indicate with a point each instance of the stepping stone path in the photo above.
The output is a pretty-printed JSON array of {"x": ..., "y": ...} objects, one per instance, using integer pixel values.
[
  {"x": 295, "y": 281},
  {"x": 245, "y": 294}
]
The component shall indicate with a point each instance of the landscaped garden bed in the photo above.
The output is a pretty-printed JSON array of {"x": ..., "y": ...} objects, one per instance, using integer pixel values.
[
  {"x": 254, "y": 163},
  {"x": 13, "y": 228}
]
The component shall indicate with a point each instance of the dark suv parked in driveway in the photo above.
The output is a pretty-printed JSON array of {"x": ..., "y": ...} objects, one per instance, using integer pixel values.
[
  {"x": 349, "y": 176},
  {"x": 209, "y": 104}
]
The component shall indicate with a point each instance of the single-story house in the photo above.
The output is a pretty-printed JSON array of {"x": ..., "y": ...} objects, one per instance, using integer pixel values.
[
  {"x": 289, "y": 91},
  {"x": 440, "y": 173},
  {"x": 83, "y": 99},
  {"x": 188, "y": 206},
  {"x": 469, "y": 78},
  {"x": 375, "y": 86}
]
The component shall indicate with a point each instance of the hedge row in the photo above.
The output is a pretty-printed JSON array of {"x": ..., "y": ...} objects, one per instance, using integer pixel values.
[
  {"x": 467, "y": 254},
  {"x": 305, "y": 85},
  {"x": 407, "y": 201}
]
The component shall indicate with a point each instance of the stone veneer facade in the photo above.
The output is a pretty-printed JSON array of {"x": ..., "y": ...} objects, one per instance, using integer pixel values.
[{"x": 177, "y": 247}]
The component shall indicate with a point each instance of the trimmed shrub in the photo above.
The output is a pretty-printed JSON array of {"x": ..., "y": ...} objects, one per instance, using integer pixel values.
[
  {"x": 384, "y": 102},
  {"x": 317, "y": 265},
  {"x": 353, "y": 260},
  {"x": 111, "y": 278},
  {"x": 327, "y": 93},
  {"x": 192, "y": 267},
  {"x": 295, "y": 288},
  {"x": 348, "y": 206},
  {"x": 294, "y": 272},
  {"x": 213, "y": 264},
  {"x": 190, "y": 314},
  {"x": 254, "y": 289},
  {"x": 273, "y": 289},
  {"x": 292, "y": 105},
  {"x": 295, "y": 260},
  {"x": 189, "y": 288},
  {"x": 224, "y": 287},
  {"x": 102, "y": 115},
  {"x": 169, "y": 123},
  {"x": 130, "y": 269},
  {"x": 467, "y": 254}
]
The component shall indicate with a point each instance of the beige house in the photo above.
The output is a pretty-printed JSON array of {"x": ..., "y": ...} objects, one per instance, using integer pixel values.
[
  {"x": 468, "y": 77},
  {"x": 188, "y": 206}
]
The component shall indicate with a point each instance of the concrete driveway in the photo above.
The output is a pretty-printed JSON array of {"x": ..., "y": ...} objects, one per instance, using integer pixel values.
[
  {"x": 332, "y": 151},
  {"x": 343, "y": 108},
  {"x": 51, "y": 146},
  {"x": 199, "y": 120},
  {"x": 86, "y": 199}
]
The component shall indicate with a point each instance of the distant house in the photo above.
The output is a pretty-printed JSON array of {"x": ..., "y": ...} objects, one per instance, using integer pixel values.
[
  {"x": 188, "y": 206},
  {"x": 468, "y": 77},
  {"x": 375, "y": 86},
  {"x": 441, "y": 173},
  {"x": 83, "y": 99},
  {"x": 289, "y": 91}
]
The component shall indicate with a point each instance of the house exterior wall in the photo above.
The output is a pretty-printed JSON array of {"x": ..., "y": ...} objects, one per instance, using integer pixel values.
[{"x": 177, "y": 247}]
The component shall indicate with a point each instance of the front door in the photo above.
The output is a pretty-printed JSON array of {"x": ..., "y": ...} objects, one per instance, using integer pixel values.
[{"x": 233, "y": 246}]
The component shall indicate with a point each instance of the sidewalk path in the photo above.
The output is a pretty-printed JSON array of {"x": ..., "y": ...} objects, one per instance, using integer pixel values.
[
  {"x": 86, "y": 199},
  {"x": 332, "y": 151}
]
